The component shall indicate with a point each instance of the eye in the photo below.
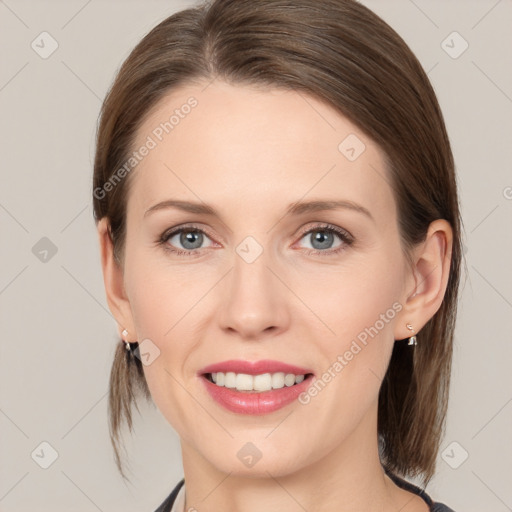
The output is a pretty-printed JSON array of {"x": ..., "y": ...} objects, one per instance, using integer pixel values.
[
  {"x": 185, "y": 240},
  {"x": 189, "y": 240},
  {"x": 322, "y": 238}
]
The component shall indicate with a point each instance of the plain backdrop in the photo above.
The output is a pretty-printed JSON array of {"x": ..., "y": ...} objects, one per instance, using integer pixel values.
[{"x": 57, "y": 335}]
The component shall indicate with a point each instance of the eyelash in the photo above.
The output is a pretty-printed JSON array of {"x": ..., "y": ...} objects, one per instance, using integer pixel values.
[{"x": 345, "y": 237}]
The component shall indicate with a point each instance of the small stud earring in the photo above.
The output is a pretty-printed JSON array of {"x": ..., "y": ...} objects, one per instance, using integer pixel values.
[
  {"x": 412, "y": 339},
  {"x": 126, "y": 343}
]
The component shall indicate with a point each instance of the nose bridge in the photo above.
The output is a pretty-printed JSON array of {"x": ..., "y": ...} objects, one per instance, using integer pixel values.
[{"x": 254, "y": 300}]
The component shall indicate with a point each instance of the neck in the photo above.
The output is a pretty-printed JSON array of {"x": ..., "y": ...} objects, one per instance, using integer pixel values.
[{"x": 347, "y": 478}]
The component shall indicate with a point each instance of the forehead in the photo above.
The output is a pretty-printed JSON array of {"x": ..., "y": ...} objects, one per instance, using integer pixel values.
[{"x": 254, "y": 146}]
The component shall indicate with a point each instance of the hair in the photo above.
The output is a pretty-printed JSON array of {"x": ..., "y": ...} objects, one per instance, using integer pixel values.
[{"x": 340, "y": 52}]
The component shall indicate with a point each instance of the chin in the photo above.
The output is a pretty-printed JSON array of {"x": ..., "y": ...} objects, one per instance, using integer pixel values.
[{"x": 256, "y": 459}]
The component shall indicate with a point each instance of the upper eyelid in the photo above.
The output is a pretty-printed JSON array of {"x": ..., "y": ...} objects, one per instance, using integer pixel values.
[
  {"x": 188, "y": 227},
  {"x": 328, "y": 227}
]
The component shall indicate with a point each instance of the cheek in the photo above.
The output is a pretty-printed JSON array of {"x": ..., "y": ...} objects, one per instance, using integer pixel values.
[
  {"x": 358, "y": 308},
  {"x": 161, "y": 295},
  {"x": 362, "y": 294},
  {"x": 165, "y": 303},
  {"x": 157, "y": 309}
]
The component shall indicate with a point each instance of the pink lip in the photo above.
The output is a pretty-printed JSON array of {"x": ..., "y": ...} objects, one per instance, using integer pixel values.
[
  {"x": 254, "y": 368},
  {"x": 252, "y": 402}
]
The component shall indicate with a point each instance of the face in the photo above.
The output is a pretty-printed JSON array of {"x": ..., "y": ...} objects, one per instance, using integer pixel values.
[{"x": 261, "y": 276}]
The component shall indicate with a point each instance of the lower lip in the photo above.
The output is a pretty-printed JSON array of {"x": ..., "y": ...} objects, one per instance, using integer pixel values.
[{"x": 255, "y": 403}]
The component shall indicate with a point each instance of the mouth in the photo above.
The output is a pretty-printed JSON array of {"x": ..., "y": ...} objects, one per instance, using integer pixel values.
[
  {"x": 256, "y": 393},
  {"x": 255, "y": 387},
  {"x": 254, "y": 376},
  {"x": 258, "y": 383}
]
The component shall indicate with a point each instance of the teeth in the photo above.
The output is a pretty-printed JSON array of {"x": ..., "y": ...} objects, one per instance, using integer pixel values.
[{"x": 262, "y": 382}]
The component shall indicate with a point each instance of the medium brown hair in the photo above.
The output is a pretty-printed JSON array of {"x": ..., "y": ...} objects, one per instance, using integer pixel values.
[{"x": 342, "y": 53}]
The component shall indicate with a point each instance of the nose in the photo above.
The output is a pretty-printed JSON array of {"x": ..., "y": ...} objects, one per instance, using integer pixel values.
[{"x": 254, "y": 304}]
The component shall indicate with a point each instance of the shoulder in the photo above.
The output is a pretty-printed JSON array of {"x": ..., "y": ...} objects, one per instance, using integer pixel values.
[
  {"x": 166, "y": 506},
  {"x": 439, "y": 507},
  {"x": 404, "y": 484}
]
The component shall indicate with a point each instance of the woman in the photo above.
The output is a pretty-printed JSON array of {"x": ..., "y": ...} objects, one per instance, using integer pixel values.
[{"x": 278, "y": 219}]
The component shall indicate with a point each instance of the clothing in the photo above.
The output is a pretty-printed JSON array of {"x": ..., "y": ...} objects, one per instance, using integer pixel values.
[
  {"x": 433, "y": 506},
  {"x": 175, "y": 502}
]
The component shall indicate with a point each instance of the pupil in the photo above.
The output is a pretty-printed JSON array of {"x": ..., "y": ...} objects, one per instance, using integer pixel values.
[
  {"x": 324, "y": 238},
  {"x": 188, "y": 238}
]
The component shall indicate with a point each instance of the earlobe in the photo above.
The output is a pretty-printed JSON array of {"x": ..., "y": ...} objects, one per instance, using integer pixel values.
[
  {"x": 430, "y": 274},
  {"x": 113, "y": 278}
]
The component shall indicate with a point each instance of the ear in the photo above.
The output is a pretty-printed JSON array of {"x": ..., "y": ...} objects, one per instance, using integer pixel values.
[
  {"x": 113, "y": 278},
  {"x": 427, "y": 281}
]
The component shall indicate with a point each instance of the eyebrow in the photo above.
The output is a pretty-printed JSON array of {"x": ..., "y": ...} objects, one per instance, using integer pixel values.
[{"x": 297, "y": 208}]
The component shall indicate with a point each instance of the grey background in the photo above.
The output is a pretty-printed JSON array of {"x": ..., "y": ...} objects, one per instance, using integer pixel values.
[{"x": 58, "y": 336}]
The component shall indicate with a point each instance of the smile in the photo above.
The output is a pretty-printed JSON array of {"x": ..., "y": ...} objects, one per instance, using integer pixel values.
[
  {"x": 254, "y": 383},
  {"x": 254, "y": 402}
]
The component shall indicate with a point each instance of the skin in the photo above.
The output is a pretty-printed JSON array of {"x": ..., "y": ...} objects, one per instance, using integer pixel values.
[{"x": 250, "y": 152}]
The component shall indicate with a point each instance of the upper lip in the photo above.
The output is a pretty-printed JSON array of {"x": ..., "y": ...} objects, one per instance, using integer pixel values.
[{"x": 254, "y": 367}]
